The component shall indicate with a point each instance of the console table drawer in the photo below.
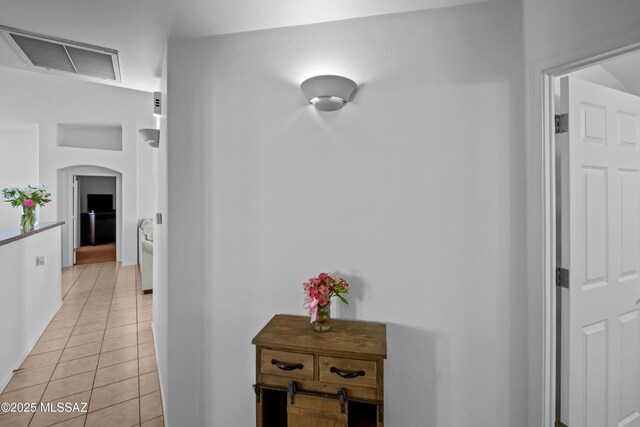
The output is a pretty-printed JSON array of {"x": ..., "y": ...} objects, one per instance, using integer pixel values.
[
  {"x": 352, "y": 372},
  {"x": 285, "y": 363}
]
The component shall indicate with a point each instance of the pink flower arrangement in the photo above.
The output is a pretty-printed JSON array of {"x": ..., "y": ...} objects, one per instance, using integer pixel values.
[
  {"x": 320, "y": 290},
  {"x": 28, "y": 203}
]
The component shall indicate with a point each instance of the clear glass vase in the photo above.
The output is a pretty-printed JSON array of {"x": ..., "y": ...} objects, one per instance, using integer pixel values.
[
  {"x": 323, "y": 319},
  {"x": 29, "y": 218}
]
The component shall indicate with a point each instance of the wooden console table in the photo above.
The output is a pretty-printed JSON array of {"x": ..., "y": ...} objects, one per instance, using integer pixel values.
[{"x": 312, "y": 379}]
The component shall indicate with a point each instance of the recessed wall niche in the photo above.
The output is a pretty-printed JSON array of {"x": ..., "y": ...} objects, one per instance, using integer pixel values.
[{"x": 93, "y": 136}]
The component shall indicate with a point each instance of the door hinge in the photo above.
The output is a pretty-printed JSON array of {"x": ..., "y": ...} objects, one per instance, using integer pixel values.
[
  {"x": 562, "y": 277},
  {"x": 562, "y": 123},
  {"x": 560, "y": 424}
]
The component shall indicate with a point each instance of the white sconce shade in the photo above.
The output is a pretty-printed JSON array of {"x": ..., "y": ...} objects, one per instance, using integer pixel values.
[
  {"x": 150, "y": 136},
  {"x": 328, "y": 93}
]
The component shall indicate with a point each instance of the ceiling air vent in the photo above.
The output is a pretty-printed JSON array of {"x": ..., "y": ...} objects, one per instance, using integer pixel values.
[{"x": 65, "y": 56}]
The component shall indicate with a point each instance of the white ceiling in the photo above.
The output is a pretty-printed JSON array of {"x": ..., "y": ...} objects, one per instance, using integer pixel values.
[
  {"x": 139, "y": 29},
  {"x": 627, "y": 70},
  {"x": 198, "y": 18},
  {"x": 621, "y": 73}
]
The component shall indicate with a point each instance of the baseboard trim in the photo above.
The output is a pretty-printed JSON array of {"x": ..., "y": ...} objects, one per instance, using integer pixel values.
[{"x": 162, "y": 395}]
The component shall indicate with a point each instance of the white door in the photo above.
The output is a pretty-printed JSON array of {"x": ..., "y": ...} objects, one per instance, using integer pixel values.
[
  {"x": 600, "y": 245},
  {"x": 75, "y": 225}
]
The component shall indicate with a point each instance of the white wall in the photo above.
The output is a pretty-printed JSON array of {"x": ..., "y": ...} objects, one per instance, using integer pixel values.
[
  {"x": 160, "y": 250},
  {"x": 31, "y": 295},
  {"x": 18, "y": 166},
  {"x": 415, "y": 192},
  {"x": 46, "y": 100},
  {"x": 146, "y": 181},
  {"x": 553, "y": 26}
]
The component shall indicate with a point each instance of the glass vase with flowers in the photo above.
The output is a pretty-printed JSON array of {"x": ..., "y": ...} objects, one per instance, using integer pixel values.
[{"x": 319, "y": 291}]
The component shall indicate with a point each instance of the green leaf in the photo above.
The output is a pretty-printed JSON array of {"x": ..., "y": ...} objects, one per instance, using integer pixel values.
[{"x": 342, "y": 299}]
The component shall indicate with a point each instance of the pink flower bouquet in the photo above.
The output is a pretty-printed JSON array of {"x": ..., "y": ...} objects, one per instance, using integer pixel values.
[{"x": 320, "y": 290}]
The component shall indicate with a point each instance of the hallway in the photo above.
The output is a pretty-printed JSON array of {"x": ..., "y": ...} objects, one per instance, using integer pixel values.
[{"x": 97, "y": 350}]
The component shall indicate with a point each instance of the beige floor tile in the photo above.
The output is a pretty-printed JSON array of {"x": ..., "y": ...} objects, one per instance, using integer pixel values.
[
  {"x": 47, "y": 346},
  {"x": 99, "y": 298},
  {"x": 123, "y": 304},
  {"x": 96, "y": 314},
  {"x": 74, "y": 406},
  {"x": 123, "y": 285},
  {"x": 101, "y": 294},
  {"x": 112, "y": 394},
  {"x": 75, "y": 367},
  {"x": 124, "y": 299},
  {"x": 59, "y": 324},
  {"x": 149, "y": 383},
  {"x": 29, "y": 377},
  {"x": 80, "y": 351},
  {"x": 56, "y": 333},
  {"x": 115, "y": 373},
  {"x": 119, "y": 342},
  {"x": 75, "y": 422},
  {"x": 123, "y": 293},
  {"x": 124, "y": 414},
  {"x": 145, "y": 336},
  {"x": 92, "y": 318},
  {"x": 146, "y": 349},
  {"x": 89, "y": 327},
  {"x": 148, "y": 364},
  {"x": 102, "y": 291},
  {"x": 66, "y": 314},
  {"x": 120, "y": 331},
  {"x": 118, "y": 356},
  {"x": 150, "y": 406},
  {"x": 29, "y": 394},
  {"x": 156, "y": 422},
  {"x": 99, "y": 305},
  {"x": 128, "y": 319},
  {"x": 145, "y": 308},
  {"x": 145, "y": 316},
  {"x": 73, "y": 302},
  {"x": 68, "y": 386},
  {"x": 87, "y": 338},
  {"x": 16, "y": 419},
  {"x": 142, "y": 326},
  {"x": 40, "y": 360},
  {"x": 120, "y": 313}
]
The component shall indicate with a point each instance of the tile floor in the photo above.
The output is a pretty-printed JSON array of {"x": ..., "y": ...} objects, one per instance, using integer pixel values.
[{"x": 98, "y": 349}]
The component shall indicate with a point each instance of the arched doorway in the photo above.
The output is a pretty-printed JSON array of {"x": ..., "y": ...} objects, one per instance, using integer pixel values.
[{"x": 69, "y": 207}]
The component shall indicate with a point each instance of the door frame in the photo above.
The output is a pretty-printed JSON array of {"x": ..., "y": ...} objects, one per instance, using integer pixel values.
[
  {"x": 92, "y": 172},
  {"x": 541, "y": 208}
]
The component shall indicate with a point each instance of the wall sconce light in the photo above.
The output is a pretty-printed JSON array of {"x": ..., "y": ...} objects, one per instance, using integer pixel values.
[
  {"x": 328, "y": 93},
  {"x": 150, "y": 136}
]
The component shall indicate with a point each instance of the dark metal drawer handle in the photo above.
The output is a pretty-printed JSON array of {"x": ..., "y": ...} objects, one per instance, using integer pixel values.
[
  {"x": 346, "y": 374},
  {"x": 286, "y": 366}
]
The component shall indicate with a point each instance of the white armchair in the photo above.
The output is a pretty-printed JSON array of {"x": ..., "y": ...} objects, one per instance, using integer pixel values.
[{"x": 145, "y": 254}]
